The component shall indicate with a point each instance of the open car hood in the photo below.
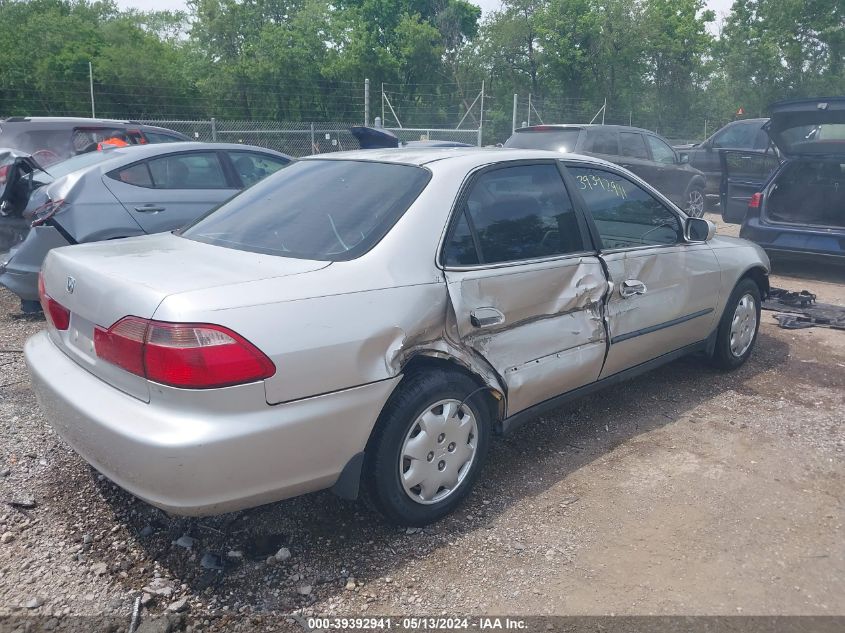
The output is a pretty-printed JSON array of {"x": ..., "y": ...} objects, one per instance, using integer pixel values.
[{"x": 814, "y": 127}]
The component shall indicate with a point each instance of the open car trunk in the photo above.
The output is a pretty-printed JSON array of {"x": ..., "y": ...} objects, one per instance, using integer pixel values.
[{"x": 809, "y": 192}]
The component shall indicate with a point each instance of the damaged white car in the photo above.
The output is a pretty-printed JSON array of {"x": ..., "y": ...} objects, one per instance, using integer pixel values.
[{"x": 370, "y": 320}]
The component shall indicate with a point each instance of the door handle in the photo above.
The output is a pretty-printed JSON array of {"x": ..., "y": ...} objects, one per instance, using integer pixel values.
[
  {"x": 486, "y": 317},
  {"x": 631, "y": 287},
  {"x": 149, "y": 208}
]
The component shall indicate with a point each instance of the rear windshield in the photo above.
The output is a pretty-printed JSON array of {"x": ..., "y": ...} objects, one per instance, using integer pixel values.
[
  {"x": 816, "y": 138},
  {"x": 557, "y": 140},
  {"x": 80, "y": 161},
  {"x": 315, "y": 209}
]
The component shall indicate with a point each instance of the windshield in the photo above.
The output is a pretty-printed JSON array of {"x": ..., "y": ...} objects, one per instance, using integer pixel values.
[
  {"x": 316, "y": 209},
  {"x": 557, "y": 140}
]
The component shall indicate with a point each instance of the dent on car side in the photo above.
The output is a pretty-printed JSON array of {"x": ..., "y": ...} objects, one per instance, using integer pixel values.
[{"x": 342, "y": 335}]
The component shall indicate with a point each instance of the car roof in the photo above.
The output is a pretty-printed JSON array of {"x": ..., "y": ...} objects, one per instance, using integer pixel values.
[
  {"x": 581, "y": 126},
  {"x": 67, "y": 119},
  {"x": 467, "y": 156},
  {"x": 122, "y": 155}
]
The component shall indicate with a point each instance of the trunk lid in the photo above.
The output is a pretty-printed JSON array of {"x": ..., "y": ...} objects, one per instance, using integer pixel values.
[
  {"x": 101, "y": 283},
  {"x": 808, "y": 127}
]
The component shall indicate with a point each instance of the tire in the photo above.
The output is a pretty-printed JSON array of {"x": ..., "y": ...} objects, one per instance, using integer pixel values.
[
  {"x": 737, "y": 335},
  {"x": 694, "y": 201},
  {"x": 433, "y": 394}
]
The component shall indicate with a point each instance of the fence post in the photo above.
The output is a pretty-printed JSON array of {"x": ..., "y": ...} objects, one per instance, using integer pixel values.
[
  {"x": 313, "y": 140},
  {"x": 91, "y": 86},
  {"x": 213, "y": 130},
  {"x": 529, "y": 109},
  {"x": 481, "y": 115},
  {"x": 513, "y": 124},
  {"x": 366, "y": 102}
]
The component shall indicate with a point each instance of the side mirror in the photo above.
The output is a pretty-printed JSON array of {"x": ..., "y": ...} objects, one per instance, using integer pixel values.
[
  {"x": 683, "y": 158},
  {"x": 699, "y": 230}
]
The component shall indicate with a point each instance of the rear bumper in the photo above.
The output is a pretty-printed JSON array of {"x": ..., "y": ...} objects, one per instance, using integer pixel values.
[
  {"x": 202, "y": 453},
  {"x": 20, "y": 273},
  {"x": 779, "y": 238}
]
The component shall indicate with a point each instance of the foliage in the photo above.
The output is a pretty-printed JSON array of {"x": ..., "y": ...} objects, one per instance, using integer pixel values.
[{"x": 655, "y": 62}]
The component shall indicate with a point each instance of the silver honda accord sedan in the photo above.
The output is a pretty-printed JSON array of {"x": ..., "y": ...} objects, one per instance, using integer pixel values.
[{"x": 367, "y": 321}]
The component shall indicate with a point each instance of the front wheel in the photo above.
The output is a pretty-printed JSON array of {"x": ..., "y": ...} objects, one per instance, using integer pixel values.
[
  {"x": 694, "y": 202},
  {"x": 428, "y": 447},
  {"x": 738, "y": 327}
]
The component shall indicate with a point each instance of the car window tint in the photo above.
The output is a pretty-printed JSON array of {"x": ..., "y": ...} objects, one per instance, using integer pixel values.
[
  {"x": 522, "y": 212},
  {"x": 558, "y": 140},
  {"x": 632, "y": 144},
  {"x": 602, "y": 141},
  {"x": 625, "y": 214},
  {"x": 661, "y": 152},
  {"x": 197, "y": 170},
  {"x": 460, "y": 248},
  {"x": 158, "y": 137},
  {"x": 252, "y": 166},
  {"x": 740, "y": 135},
  {"x": 138, "y": 175},
  {"x": 315, "y": 209}
]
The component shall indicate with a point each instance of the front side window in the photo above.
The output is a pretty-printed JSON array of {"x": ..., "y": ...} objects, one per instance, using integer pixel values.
[
  {"x": 197, "y": 170},
  {"x": 740, "y": 136},
  {"x": 632, "y": 144},
  {"x": 321, "y": 209},
  {"x": 517, "y": 213},
  {"x": 625, "y": 215},
  {"x": 661, "y": 152}
]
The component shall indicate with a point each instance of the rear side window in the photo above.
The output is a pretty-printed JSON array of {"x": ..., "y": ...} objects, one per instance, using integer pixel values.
[
  {"x": 517, "y": 213},
  {"x": 199, "y": 170},
  {"x": 632, "y": 144},
  {"x": 253, "y": 166},
  {"x": 315, "y": 209},
  {"x": 602, "y": 141},
  {"x": 158, "y": 137},
  {"x": 138, "y": 175},
  {"x": 556, "y": 140}
]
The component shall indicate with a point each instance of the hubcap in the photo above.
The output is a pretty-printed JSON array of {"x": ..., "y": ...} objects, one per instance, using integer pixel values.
[
  {"x": 743, "y": 325},
  {"x": 695, "y": 204},
  {"x": 438, "y": 451}
]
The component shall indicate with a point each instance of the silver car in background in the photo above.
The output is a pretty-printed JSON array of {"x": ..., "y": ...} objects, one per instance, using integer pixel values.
[
  {"x": 370, "y": 319},
  {"x": 124, "y": 192}
]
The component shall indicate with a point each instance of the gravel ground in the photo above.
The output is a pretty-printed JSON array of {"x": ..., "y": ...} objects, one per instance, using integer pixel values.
[{"x": 685, "y": 491}]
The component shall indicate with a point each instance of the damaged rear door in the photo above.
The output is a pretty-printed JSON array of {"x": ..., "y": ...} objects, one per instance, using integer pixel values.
[
  {"x": 744, "y": 172},
  {"x": 524, "y": 282},
  {"x": 664, "y": 289}
]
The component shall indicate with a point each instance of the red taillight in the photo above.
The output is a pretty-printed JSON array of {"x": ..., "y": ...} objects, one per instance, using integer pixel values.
[
  {"x": 54, "y": 312},
  {"x": 123, "y": 344},
  {"x": 46, "y": 211},
  {"x": 187, "y": 355},
  {"x": 4, "y": 173},
  {"x": 755, "y": 201}
]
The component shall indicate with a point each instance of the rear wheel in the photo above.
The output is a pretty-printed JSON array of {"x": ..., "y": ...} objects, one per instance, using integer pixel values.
[
  {"x": 738, "y": 327},
  {"x": 694, "y": 201},
  {"x": 428, "y": 447}
]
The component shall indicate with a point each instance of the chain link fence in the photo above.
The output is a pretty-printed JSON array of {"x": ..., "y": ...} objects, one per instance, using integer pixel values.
[{"x": 298, "y": 139}]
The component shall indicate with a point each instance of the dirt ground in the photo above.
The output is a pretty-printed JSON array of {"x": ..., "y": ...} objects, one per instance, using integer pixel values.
[{"x": 685, "y": 491}]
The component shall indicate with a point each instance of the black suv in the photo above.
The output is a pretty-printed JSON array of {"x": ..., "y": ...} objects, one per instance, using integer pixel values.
[
  {"x": 746, "y": 134},
  {"x": 645, "y": 153},
  {"x": 51, "y": 139}
]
